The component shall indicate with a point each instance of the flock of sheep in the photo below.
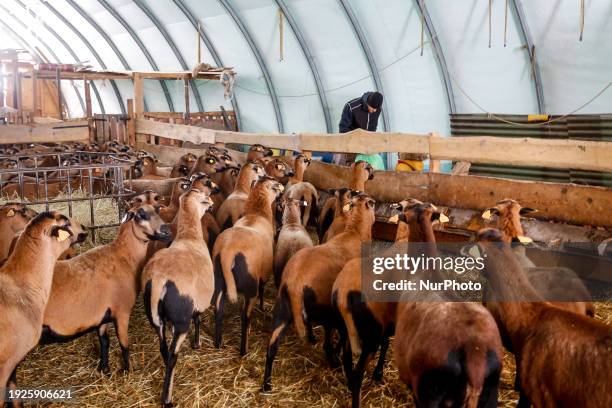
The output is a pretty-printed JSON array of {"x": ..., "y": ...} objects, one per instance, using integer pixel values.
[{"x": 227, "y": 228}]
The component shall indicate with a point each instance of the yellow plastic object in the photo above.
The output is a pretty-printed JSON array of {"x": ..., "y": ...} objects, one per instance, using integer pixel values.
[{"x": 409, "y": 165}]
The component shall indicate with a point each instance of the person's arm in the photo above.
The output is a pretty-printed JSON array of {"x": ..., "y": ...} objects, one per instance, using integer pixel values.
[
  {"x": 374, "y": 121},
  {"x": 346, "y": 120}
]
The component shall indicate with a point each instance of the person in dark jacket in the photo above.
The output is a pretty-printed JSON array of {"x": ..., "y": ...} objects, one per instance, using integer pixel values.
[{"x": 362, "y": 113}]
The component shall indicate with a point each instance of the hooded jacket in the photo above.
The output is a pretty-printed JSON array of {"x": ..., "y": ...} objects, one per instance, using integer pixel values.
[{"x": 355, "y": 115}]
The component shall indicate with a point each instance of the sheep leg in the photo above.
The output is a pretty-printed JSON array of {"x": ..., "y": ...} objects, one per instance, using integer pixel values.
[
  {"x": 163, "y": 345},
  {"x": 261, "y": 295},
  {"x": 196, "y": 336},
  {"x": 330, "y": 351},
  {"x": 219, "y": 307},
  {"x": 282, "y": 319},
  {"x": 121, "y": 327},
  {"x": 311, "y": 337},
  {"x": 377, "y": 375},
  {"x": 175, "y": 345},
  {"x": 249, "y": 304},
  {"x": 357, "y": 378},
  {"x": 104, "y": 346}
]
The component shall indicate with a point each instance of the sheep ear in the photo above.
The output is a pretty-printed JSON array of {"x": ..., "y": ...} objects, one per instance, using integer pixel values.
[
  {"x": 527, "y": 210},
  {"x": 61, "y": 233}
]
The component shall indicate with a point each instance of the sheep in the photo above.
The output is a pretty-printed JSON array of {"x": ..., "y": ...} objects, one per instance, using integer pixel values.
[
  {"x": 370, "y": 324},
  {"x": 100, "y": 286},
  {"x": 176, "y": 293},
  {"x": 184, "y": 166},
  {"x": 342, "y": 199},
  {"x": 147, "y": 169},
  {"x": 299, "y": 189},
  {"x": 361, "y": 171},
  {"x": 243, "y": 257},
  {"x": 292, "y": 236},
  {"x": 207, "y": 164},
  {"x": 551, "y": 283},
  {"x": 278, "y": 170},
  {"x": 233, "y": 207},
  {"x": 257, "y": 152},
  {"x": 25, "y": 283},
  {"x": 13, "y": 218},
  {"x": 304, "y": 296},
  {"x": 563, "y": 359}
]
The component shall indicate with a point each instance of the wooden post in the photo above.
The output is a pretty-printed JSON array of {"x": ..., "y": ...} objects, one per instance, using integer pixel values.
[
  {"x": 35, "y": 102},
  {"x": 88, "y": 107},
  {"x": 138, "y": 95},
  {"x": 15, "y": 70},
  {"x": 58, "y": 82},
  {"x": 434, "y": 165},
  {"x": 186, "y": 87},
  {"x": 2, "y": 66},
  {"x": 131, "y": 123}
]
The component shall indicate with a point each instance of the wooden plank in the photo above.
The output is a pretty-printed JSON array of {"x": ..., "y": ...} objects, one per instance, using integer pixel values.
[
  {"x": 88, "y": 105},
  {"x": 138, "y": 96},
  {"x": 58, "y": 84},
  {"x": 131, "y": 126},
  {"x": 51, "y": 133},
  {"x": 177, "y": 132},
  {"x": 552, "y": 153}
]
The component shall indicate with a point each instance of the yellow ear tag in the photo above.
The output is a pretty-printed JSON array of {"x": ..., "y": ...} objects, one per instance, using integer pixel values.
[
  {"x": 486, "y": 215},
  {"x": 443, "y": 219},
  {"x": 474, "y": 251},
  {"x": 524, "y": 240},
  {"x": 62, "y": 235},
  {"x": 346, "y": 208},
  {"x": 394, "y": 219},
  {"x": 10, "y": 213},
  {"x": 281, "y": 188}
]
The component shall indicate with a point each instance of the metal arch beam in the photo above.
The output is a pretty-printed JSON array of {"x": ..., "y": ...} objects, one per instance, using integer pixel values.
[
  {"x": 34, "y": 51},
  {"x": 104, "y": 35},
  {"x": 142, "y": 47},
  {"x": 91, "y": 49},
  {"x": 260, "y": 61},
  {"x": 160, "y": 27},
  {"x": 439, "y": 54},
  {"x": 311, "y": 61},
  {"x": 211, "y": 48},
  {"x": 363, "y": 42},
  {"x": 517, "y": 5}
]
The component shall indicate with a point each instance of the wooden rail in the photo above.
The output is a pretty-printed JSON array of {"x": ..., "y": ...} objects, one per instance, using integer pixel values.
[
  {"x": 76, "y": 131},
  {"x": 552, "y": 153}
]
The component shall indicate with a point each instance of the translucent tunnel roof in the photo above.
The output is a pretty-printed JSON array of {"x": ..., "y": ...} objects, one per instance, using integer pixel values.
[{"x": 333, "y": 51}]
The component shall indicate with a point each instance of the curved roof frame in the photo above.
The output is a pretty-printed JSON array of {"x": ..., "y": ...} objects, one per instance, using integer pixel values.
[
  {"x": 210, "y": 46},
  {"x": 160, "y": 27},
  {"x": 91, "y": 49},
  {"x": 367, "y": 51},
  {"x": 311, "y": 61},
  {"x": 517, "y": 5},
  {"x": 104, "y": 35},
  {"x": 36, "y": 53},
  {"x": 260, "y": 61},
  {"x": 142, "y": 47},
  {"x": 439, "y": 54}
]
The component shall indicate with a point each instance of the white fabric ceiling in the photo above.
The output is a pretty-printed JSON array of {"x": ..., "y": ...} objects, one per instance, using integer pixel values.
[{"x": 245, "y": 35}]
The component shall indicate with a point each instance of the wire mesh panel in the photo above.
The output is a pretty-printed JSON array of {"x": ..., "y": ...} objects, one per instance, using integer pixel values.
[{"x": 70, "y": 178}]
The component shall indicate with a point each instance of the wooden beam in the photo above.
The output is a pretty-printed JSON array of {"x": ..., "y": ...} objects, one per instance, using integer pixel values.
[
  {"x": 186, "y": 93},
  {"x": 131, "y": 123},
  {"x": 58, "y": 82},
  {"x": 50, "y": 133},
  {"x": 186, "y": 133},
  {"x": 35, "y": 101},
  {"x": 138, "y": 96},
  {"x": 88, "y": 106}
]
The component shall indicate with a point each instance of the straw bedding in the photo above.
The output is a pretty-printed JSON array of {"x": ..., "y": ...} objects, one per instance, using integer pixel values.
[{"x": 209, "y": 377}]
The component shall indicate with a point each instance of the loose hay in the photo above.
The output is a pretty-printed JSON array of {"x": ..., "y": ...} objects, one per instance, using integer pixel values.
[{"x": 216, "y": 378}]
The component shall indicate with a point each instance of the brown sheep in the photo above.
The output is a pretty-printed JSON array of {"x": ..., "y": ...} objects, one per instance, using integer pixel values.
[
  {"x": 257, "y": 152},
  {"x": 226, "y": 179},
  {"x": 551, "y": 283},
  {"x": 243, "y": 256},
  {"x": 207, "y": 164},
  {"x": 361, "y": 172},
  {"x": 299, "y": 189},
  {"x": 147, "y": 169},
  {"x": 233, "y": 207},
  {"x": 184, "y": 166},
  {"x": 278, "y": 170},
  {"x": 292, "y": 236},
  {"x": 178, "y": 284},
  {"x": 304, "y": 297},
  {"x": 342, "y": 199},
  {"x": 370, "y": 324},
  {"x": 13, "y": 218},
  {"x": 100, "y": 286},
  {"x": 25, "y": 283},
  {"x": 563, "y": 359}
]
